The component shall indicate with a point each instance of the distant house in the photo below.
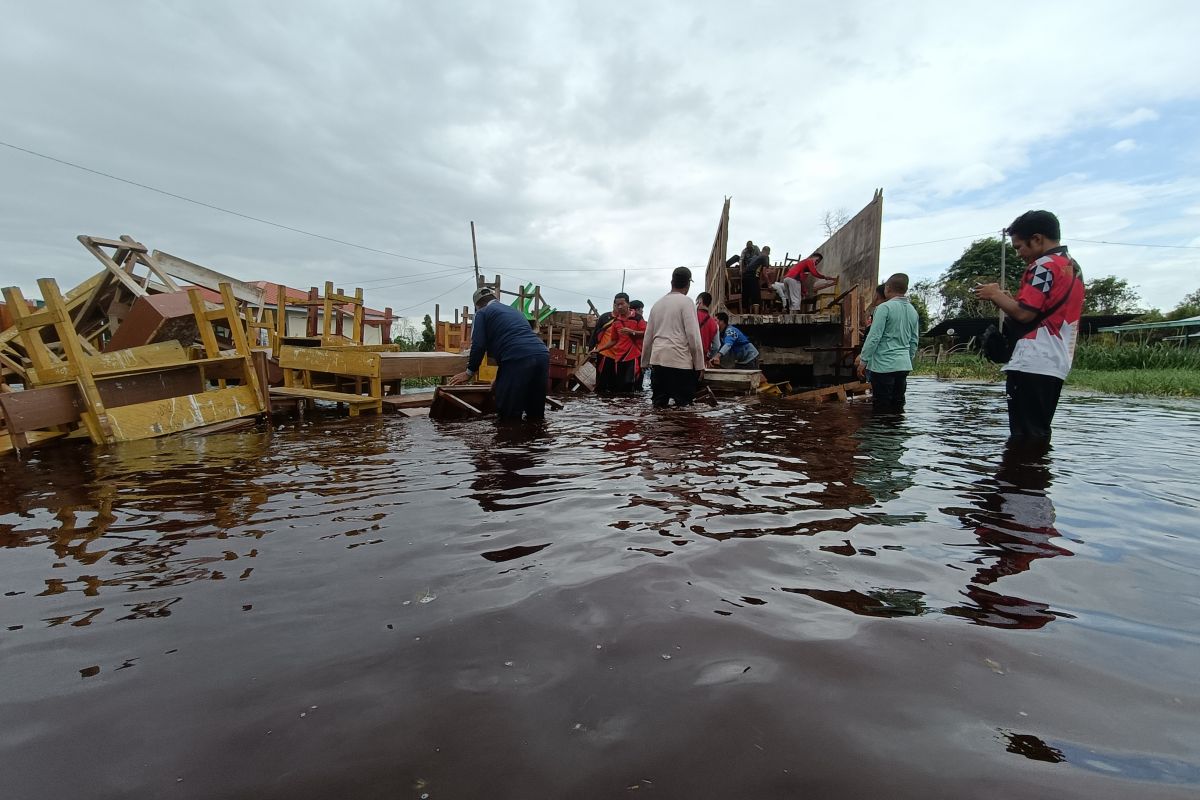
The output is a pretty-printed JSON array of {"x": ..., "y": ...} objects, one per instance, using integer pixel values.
[{"x": 1185, "y": 330}]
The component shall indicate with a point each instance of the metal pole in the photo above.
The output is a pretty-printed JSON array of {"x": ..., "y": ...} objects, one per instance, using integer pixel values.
[
  {"x": 1003, "y": 250},
  {"x": 475, "y": 253},
  {"x": 622, "y": 280}
]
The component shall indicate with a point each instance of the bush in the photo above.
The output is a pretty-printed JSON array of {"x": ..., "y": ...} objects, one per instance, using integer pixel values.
[{"x": 1095, "y": 355}]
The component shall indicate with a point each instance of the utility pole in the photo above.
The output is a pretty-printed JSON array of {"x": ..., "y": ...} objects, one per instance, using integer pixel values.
[
  {"x": 475, "y": 254},
  {"x": 622, "y": 280},
  {"x": 1003, "y": 250}
]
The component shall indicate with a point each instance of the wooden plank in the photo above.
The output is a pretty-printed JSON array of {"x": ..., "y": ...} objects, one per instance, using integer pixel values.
[
  {"x": 175, "y": 414},
  {"x": 43, "y": 407},
  {"x": 416, "y": 400},
  {"x": 449, "y": 398},
  {"x": 93, "y": 245},
  {"x": 415, "y": 412},
  {"x": 338, "y": 361},
  {"x": 421, "y": 365},
  {"x": 156, "y": 384},
  {"x": 151, "y": 355},
  {"x": 9, "y": 443},
  {"x": 321, "y": 394},
  {"x": 208, "y": 278}
]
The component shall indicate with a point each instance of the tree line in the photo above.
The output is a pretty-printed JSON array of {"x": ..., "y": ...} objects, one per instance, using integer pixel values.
[{"x": 951, "y": 296}]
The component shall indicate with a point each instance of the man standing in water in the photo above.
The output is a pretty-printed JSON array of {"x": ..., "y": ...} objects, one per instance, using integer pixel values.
[
  {"x": 1051, "y": 301},
  {"x": 503, "y": 333},
  {"x": 890, "y": 345},
  {"x": 672, "y": 345}
]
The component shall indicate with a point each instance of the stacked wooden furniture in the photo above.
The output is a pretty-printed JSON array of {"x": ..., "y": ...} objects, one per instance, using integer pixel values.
[{"x": 124, "y": 395}]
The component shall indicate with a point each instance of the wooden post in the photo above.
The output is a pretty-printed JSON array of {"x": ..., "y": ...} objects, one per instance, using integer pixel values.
[
  {"x": 475, "y": 255},
  {"x": 314, "y": 298}
]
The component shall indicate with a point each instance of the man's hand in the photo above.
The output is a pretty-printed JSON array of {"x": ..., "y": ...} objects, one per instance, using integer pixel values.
[
  {"x": 460, "y": 378},
  {"x": 989, "y": 292},
  {"x": 715, "y": 363}
]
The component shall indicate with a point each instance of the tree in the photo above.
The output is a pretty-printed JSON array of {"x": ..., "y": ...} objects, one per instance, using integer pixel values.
[
  {"x": 918, "y": 304},
  {"x": 979, "y": 263},
  {"x": 923, "y": 294},
  {"x": 1189, "y": 306},
  {"x": 428, "y": 337},
  {"x": 1110, "y": 295},
  {"x": 833, "y": 220}
]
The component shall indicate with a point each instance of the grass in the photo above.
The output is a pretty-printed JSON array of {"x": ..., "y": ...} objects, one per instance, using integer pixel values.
[
  {"x": 1148, "y": 382},
  {"x": 1169, "y": 381}
]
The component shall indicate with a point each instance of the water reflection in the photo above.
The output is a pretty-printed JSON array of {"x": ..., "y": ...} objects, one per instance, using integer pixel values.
[
  {"x": 559, "y": 595},
  {"x": 1014, "y": 522}
]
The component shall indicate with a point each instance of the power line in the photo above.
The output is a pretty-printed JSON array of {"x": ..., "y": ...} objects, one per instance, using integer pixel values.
[
  {"x": 1136, "y": 244},
  {"x": 470, "y": 277},
  {"x": 937, "y": 241},
  {"x": 229, "y": 211}
]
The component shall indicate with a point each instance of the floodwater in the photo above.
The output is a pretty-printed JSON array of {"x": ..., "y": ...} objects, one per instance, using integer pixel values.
[{"x": 752, "y": 601}]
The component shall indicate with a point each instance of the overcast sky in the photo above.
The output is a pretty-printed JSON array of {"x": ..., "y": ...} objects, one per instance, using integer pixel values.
[{"x": 584, "y": 138}]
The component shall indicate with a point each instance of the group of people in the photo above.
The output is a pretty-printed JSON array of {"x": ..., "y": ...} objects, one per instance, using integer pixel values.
[
  {"x": 1045, "y": 314},
  {"x": 679, "y": 339},
  {"x": 791, "y": 289}
]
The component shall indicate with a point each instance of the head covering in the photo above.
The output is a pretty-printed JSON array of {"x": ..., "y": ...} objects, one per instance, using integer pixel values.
[
  {"x": 482, "y": 293},
  {"x": 681, "y": 276}
]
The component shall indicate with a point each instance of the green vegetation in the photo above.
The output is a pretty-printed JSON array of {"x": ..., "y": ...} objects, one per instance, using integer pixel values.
[
  {"x": 1125, "y": 369},
  {"x": 1148, "y": 382},
  {"x": 1100, "y": 355}
]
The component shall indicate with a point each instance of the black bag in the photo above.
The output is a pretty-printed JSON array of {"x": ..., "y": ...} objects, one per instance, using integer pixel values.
[{"x": 997, "y": 344}]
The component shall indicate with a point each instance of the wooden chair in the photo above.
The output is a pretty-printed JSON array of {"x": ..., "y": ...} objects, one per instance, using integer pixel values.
[{"x": 141, "y": 392}]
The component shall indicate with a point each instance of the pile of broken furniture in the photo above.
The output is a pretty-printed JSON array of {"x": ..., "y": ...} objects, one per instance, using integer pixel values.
[{"x": 155, "y": 345}]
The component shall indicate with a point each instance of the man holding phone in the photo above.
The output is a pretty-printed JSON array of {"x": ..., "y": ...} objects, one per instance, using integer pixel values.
[{"x": 1051, "y": 295}]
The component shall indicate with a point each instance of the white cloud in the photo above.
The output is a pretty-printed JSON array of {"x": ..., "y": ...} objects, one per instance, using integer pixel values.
[
  {"x": 592, "y": 136},
  {"x": 1135, "y": 117},
  {"x": 1124, "y": 146}
]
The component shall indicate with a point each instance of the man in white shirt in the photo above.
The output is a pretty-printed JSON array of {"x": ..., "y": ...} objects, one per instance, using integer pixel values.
[{"x": 672, "y": 345}]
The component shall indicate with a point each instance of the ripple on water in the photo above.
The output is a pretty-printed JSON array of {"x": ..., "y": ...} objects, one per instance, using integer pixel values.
[{"x": 621, "y": 597}]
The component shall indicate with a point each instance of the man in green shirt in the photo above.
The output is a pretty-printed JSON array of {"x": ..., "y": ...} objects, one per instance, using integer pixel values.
[{"x": 890, "y": 345}]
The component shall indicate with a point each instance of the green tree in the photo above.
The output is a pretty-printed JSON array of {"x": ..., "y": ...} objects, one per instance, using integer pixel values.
[
  {"x": 922, "y": 313},
  {"x": 1189, "y": 306},
  {"x": 428, "y": 338},
  {"x": 979, "y": 263},
  {"x": 922, "y": 294},
  {"x": 1110, "y": 295}
]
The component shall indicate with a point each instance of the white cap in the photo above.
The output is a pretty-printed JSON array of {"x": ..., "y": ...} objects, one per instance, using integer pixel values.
[{"x": 481, "y": 293}]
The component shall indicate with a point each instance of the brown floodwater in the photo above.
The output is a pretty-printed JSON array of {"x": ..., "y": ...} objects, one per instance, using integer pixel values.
[{"x": 752, "y": 601}]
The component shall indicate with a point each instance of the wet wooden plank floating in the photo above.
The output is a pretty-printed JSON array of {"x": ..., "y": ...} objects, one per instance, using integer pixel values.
[
  {"x": 462, "y": 402},
  {"x": 738, "y": 381},
  {"x": 355, "y": 402},
  {"x": 840, "y": 392}
]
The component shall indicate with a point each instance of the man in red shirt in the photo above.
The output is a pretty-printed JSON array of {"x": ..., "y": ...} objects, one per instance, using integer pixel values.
[
  {"x": 1051, "y": 300},
  {"x": 708, "y": 324},
  {"x": 793, "y": 282}
]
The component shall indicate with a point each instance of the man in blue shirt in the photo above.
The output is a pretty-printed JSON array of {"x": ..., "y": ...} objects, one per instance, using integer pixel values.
[
  {"x": 734, "y": 343},
  {"x": 524, "y": 361}
]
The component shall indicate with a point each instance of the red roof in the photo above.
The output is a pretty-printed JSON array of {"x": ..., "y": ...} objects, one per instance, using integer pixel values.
[{"x": 271, "y": 297}]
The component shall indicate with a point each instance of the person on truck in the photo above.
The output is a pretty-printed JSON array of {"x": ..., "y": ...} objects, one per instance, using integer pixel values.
[{"x": 800, "y": 273}]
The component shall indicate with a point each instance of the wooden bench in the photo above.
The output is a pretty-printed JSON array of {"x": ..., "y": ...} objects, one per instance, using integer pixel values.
[
  {"x": 301, "y": 364},
  {"x": 355, "y": 402}
]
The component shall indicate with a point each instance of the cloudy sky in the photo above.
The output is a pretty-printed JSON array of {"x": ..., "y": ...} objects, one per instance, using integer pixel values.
[{"x": 587, "y": 138}]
